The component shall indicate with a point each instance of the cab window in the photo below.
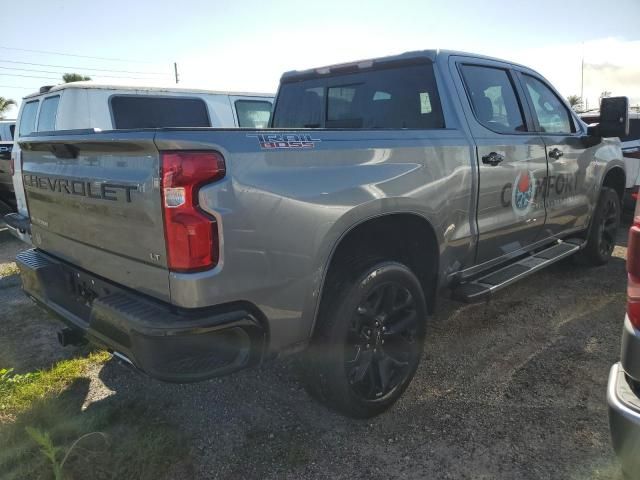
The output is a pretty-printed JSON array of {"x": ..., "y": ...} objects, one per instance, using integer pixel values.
[
  {"x": 28, "y": 118},
  {"x": 132, "y": 111},
  {"x": 552, "y": 115},
  {"x": 48, "y": 113},
  {"x": 493, "y": 98},
  {"x": 253, "y": 113},
  {"x": 389, "y": 98}
]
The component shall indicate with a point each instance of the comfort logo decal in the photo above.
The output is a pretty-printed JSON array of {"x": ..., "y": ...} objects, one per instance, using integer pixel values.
[
  {"x": 527, "y": 191},
  {"x": 270, "y": 141},
  {"x": 522, "y": 196}
]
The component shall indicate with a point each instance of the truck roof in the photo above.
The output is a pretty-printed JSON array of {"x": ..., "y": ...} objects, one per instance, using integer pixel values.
[
  {"x": 418, "y": 56},
  {"x": 133, "y": 87}
]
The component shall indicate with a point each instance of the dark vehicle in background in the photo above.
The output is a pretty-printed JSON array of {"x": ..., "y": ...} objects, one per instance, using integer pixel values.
[
  {"x": 630, "y": 145},
  {"x": 623, "y": 393},
  {"x": 7, "y": 128}
]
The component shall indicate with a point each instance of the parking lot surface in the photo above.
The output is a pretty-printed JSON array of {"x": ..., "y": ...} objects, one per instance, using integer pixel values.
[{"x": 512, "y": 388}]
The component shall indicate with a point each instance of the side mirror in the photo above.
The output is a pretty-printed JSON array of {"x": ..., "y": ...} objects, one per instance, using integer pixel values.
[{"x": 614, "y": 117}]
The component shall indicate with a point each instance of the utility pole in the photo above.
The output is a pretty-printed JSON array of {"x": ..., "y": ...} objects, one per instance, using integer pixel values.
[
  {"x": 582, "y": 77},
  {"x": 175, "y": 71}
]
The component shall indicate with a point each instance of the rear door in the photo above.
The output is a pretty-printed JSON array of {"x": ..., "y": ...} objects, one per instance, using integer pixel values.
[
  {"x": 94, "y": 201},
  {"x": 568, "y": 183},
  {"x": 511, "y": 159}
]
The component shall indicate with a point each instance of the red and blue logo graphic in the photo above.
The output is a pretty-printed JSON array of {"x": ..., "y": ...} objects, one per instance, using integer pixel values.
[{"x": 523, "y": 193}]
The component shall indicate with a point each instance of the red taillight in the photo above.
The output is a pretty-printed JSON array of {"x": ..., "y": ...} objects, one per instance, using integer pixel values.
[
  {"x": 633, "y": 270},
  {"x": 191, "y": 235}
]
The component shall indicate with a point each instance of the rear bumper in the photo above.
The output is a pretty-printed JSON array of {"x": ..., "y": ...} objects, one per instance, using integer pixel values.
[
  {"x": 624, "y": 419},
  {"x": 630, "y": 350},
  {"x": 167, "y": 343}
]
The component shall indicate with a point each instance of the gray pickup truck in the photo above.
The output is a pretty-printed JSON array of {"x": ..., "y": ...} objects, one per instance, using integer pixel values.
[{"x": 195, "y": 252}]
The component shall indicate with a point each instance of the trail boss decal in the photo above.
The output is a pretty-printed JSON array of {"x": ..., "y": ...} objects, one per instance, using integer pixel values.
[
  {"x": 270, "y": 141},
  {"x": 527, "y": 190}
]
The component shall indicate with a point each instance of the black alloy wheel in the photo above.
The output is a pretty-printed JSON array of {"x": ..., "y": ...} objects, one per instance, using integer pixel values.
[{"x": 380, "y": 341}]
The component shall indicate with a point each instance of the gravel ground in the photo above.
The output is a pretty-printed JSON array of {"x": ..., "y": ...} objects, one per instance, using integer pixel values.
[{"x": 512, "y": 388}]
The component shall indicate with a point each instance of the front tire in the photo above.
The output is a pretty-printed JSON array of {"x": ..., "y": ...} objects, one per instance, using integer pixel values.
[
  {"x": 368, "y": 341},
  {"x": 603, "y": 232}
]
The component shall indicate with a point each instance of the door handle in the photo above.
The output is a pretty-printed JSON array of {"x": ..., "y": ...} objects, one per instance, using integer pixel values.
[
  {"x": 556, "y": 153},
  {"x": 492, "y": 159}
]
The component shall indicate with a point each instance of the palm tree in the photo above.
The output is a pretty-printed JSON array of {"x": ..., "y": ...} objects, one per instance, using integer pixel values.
[
  {"x": 74, "y": 77},
  {"x": 575, "y": 102},
  {"x": 5, "y": 104}
]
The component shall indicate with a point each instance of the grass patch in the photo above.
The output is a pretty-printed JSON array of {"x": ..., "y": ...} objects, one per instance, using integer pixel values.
[
  {"x": 18, "y": 392},
  {"x": 8, "y": 269},
  {"x": 135, "y": 441}
]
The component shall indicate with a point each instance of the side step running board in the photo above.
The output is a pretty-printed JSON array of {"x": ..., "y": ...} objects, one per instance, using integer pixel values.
[{"x": 481, "y": 288}]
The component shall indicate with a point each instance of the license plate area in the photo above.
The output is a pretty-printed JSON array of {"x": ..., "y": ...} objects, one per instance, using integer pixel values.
[{"x": 84, "y": 288}]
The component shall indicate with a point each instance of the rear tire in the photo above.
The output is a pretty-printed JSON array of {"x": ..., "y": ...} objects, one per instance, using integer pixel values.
[
  {"x": 602, "y": 235},
  {"x": 368, "y": 341}
]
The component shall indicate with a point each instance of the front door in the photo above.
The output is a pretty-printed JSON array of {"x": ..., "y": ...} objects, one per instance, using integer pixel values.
[
  {"x": 512, "y": 162},
  {"x": 568, "y": 185}
]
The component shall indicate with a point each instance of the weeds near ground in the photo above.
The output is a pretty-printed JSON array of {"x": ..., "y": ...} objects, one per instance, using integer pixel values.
[
  {"x": 47, "y": 430},
  {"x": 51, "y": 452},
  {"x": 7, "y": 269}
]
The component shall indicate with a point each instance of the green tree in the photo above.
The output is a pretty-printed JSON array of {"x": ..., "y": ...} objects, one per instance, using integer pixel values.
[
  {"x": 575, "y": 102},
  {"x": 5, "y": 104},
  {"x": 74, "y": 77}
]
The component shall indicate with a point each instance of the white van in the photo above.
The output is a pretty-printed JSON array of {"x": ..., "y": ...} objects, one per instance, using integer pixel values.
[
  {"x": 7, "y": 128},
  {"x": 89, "y": 105}
]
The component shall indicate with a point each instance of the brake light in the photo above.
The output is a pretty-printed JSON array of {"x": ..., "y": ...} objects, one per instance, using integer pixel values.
[
  {"x": 633, "y": 270},
  {"x": 191, "y": 234}
]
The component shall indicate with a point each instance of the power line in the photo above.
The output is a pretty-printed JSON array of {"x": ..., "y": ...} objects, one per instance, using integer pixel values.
[
  {"x": 13, "y": 86},
  {"x": 75, "y": 55},
  {"x": 28, "y": 76},
  {"x": 99, "y": 75},
  {"x": 80, "y": 68},
  {"x": 28, "y": 70}
]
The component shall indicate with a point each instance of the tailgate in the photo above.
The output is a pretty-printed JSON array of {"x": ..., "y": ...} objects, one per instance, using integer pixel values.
[{"x": 94, "y": 201}]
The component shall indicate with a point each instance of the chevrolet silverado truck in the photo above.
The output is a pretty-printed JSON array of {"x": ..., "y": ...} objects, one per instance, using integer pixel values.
[{"x": 195, "y": 252}]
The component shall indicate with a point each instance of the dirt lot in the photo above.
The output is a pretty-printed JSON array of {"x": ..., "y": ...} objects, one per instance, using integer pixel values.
[{"x": 514, "y": 388}]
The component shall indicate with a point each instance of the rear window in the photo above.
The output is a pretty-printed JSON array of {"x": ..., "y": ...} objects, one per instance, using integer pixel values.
[
  {"x": 131, "y": 111},
  {"x": 402, "y": 97},
  {"x": 253, "y": 113},
  {"x": 28, "y": 118},
  {"x": 48, "y": 112}
]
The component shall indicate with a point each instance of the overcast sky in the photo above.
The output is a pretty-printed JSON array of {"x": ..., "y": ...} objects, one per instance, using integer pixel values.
[{"x": 246, "y": 45}]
